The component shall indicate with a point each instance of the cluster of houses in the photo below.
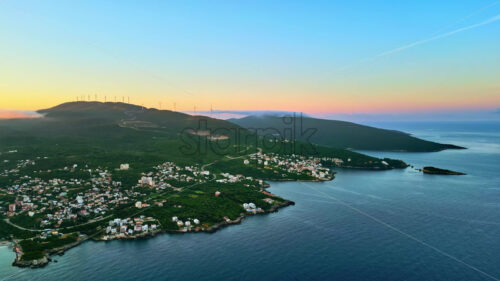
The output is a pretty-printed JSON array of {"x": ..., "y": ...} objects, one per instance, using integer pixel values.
[
  {"x": 73, "y": 199},
  {"x": 229, "y": 178},
  {"x": 252, "y": 208},
  {"x": 169, "y": 171},
  {"x": 46, "y": 233},
  {"x": 335, "y": 161},
  {"x": 187, "y": 224},
  {"x": 57, "y": 200},
  {"x": 19, "y": 164},
  {"x": 340, "y": 162},
  {"x": 294, "y": 164},
  {"x": 120, "y": 228}
]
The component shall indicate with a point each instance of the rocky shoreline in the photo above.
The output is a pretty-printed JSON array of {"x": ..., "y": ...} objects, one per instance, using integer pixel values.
[
  {"x": 42, "y": 262},
  {"x": 46, "y": 259},
  {"x": 211, "y": 229}
]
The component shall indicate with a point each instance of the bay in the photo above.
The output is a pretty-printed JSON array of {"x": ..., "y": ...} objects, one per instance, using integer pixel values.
[{"x": 364, "y": 225}]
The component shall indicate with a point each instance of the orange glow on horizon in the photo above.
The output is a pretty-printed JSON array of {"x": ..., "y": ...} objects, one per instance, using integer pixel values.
[
  {"x": 7, "y": 114},
  {"x": 14, "y": 108}
]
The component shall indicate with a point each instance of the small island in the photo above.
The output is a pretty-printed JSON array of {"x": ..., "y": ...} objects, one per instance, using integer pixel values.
[{"x": 438, "y": 171}]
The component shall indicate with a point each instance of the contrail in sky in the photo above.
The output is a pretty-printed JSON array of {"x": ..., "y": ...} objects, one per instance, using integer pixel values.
[
  {"x": 488, "y": 21},
  {"x": 420, "y": 42},
  {"x": 466, "y": 17}
]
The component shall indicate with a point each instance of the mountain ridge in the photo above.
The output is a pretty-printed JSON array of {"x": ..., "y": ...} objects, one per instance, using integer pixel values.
[{"x": 343, "y": 134}]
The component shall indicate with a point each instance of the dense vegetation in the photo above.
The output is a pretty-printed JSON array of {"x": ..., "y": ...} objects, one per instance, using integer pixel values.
[
  {"x": 438, "y": 171},
  {"x": 338, "y": 134},
  {"x": 35, "y": 248},
  {"x": 7, "y": 231},
  {"x": 104, "y": 135}
]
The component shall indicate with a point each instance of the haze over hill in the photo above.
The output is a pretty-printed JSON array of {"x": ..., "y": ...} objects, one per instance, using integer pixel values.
[
  {"x": 113, "y": 120},
  {"x": 106, "y": 131},
  {"x": 128, "y": 116},
  {"x": 341, "y": 134}
]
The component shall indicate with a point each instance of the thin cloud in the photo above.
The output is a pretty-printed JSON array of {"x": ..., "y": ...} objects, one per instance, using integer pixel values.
[{"x": 16, "y": 114}]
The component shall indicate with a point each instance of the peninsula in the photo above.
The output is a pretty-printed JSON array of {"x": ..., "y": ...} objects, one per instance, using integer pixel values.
[
  {"x": 104, "y": 171},
  {"x": 341, "y": 134}
]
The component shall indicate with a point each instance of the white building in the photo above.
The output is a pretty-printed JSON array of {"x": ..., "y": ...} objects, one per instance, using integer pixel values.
[
  {"x": 124, "y": 166},
  {"x": 146, "y": 181}
]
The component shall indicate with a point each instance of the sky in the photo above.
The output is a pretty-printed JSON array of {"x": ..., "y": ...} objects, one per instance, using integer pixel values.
[{"x": 319, "y": 57}]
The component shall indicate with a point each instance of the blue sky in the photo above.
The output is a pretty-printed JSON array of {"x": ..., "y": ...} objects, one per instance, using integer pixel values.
[{"x": 315, "y": 56}]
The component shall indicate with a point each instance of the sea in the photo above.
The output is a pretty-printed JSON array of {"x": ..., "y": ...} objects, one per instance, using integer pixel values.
[{"x": 363, "y": 225}]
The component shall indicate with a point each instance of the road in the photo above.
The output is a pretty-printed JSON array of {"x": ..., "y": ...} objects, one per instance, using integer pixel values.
[
  {"x": 20, "y": 227},
  {"x": 62, "y": 228}
]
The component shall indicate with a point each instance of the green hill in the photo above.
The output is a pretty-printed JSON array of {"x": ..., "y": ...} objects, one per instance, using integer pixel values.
[
  {"x": 339, "y": 134},
  {"x": 198, "y": 167},
  {"x": 82, "y": 115},
  {"x": 107, "y": 134}
]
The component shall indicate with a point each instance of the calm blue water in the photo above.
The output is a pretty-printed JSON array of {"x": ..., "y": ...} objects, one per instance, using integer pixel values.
[{"x": 320, "y": 238}]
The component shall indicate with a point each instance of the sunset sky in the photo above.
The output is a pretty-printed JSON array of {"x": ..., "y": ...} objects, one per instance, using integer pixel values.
[{"x": 310, "y": 56}]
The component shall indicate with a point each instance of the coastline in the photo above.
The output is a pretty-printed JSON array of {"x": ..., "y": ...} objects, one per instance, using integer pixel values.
[
  {"x": 47, "y": 258},
  {"x": 42, "y": 262},
  {"x": 5, "y": 243}
]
